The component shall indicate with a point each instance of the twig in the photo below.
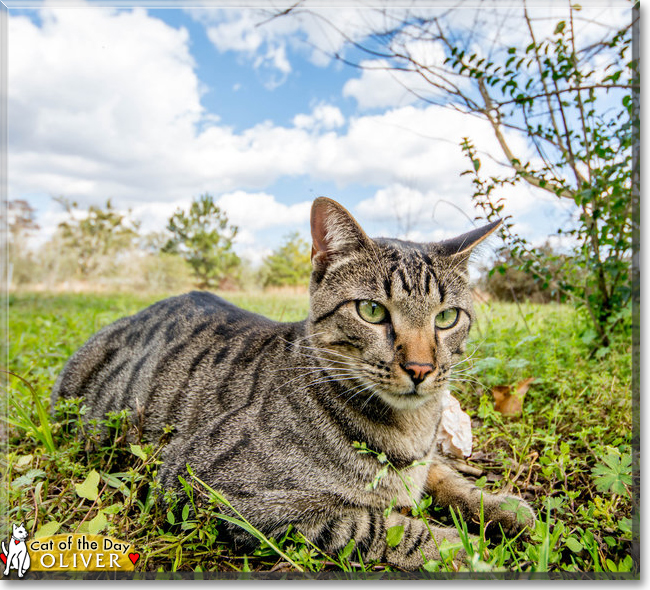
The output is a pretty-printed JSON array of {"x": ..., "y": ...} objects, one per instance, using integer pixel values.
[{"x": 466, "y": 468}]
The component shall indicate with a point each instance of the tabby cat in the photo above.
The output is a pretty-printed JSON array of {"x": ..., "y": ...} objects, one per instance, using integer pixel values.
[{"x": 267, "y": 412}]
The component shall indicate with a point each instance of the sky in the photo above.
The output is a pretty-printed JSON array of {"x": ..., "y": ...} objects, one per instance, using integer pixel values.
[{"x": 152, "y": 107}]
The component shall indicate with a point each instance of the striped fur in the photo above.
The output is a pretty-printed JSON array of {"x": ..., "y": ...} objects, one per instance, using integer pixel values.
[{"x": 267, "y": 412}]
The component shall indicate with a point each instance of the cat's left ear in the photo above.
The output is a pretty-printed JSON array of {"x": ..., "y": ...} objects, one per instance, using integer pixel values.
[
  {"x": 334, "y": 231},
  {"x": 463, "y": 245}
]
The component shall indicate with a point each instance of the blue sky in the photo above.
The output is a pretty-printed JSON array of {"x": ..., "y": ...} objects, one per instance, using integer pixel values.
[{"x": 153, "y": 107}]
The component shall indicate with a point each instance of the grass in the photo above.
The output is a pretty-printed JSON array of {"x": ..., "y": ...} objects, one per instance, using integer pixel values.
[{"x": 568, "y": 453}]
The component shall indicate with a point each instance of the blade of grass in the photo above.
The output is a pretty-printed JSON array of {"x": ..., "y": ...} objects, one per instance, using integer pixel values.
[
  {"x": 43, "y": 430},
  {"x": 243, "y": 523}
]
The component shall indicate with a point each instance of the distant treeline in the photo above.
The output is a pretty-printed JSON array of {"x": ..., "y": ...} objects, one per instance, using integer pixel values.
[{"x": 105, "y": 248}]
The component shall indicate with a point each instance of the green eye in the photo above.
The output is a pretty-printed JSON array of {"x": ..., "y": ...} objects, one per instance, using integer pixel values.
[
  {"x": 371, "y": 311},
  {"x": 447, "y": 319}
]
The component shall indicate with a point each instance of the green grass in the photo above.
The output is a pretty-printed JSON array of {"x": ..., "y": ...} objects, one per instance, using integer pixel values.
[{"x": 568, "y": 453}]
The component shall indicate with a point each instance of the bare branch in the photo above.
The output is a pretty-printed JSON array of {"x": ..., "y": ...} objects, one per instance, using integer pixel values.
[{"x": 531, "y": 179}]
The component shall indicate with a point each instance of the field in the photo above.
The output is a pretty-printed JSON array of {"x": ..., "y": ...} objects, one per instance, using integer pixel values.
[{"x": 568, "y": 451}]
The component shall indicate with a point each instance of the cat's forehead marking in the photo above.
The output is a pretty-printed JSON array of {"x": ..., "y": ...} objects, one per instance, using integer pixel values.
[{"x": 410, "y": 273}]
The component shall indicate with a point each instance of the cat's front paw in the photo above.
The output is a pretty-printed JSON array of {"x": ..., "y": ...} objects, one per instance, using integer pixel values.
[{"x": 510, "y": 512}]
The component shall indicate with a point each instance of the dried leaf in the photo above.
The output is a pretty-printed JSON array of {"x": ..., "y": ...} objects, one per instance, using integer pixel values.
[
  {"x": 455, "y": 430},
  {"x": 524, "y": 386},
  {"x": 509, "y": 402}
]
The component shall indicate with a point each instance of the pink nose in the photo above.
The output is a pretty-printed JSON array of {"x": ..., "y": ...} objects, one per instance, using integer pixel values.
[{"x": 418, "y": 371}]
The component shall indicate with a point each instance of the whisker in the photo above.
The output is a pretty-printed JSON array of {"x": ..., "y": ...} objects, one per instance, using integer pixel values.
[
  {"x": 328, "y": 351},
  {"x": 312, "y": 368},
  {"x": 319, "y": 348},
  {"x": 363, "y": 388},
  {"x": 323, "y": 380},
  {"x": 369, "y": 398},
  {"x": 328, "y": 377},
  {"x": 326, "y": 360},
  {"x": 470, "y": 356},
  {"x": 307, "y": 337},
  {"x": 332, "y": 352}
]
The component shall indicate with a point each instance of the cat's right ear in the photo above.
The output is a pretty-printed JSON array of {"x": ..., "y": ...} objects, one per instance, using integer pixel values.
[
  {"x": 333, "y": 230},
  {"x": 463, "y": 245}
]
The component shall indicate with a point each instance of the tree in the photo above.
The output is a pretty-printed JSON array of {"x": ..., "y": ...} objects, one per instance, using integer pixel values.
[
  {"x": 290, "y": 264},
  {"x": 506, "y": 280},
  {"x": 204, "y": 239},
  {"x": 97, "y": 238},
  {"x": 20, "y": 224},
  {"x": 580, "y": 121}
]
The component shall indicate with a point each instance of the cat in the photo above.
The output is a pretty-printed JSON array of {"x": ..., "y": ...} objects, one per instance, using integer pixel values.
[
  {"x": 267, "y": 412},
  {"x": 17, "y": 557}
]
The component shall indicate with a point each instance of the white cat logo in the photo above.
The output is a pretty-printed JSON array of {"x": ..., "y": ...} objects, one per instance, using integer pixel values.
[{"x": 17, "y": 557}]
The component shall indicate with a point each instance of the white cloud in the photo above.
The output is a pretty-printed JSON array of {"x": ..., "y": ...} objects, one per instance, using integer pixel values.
[
  {"x": 323, "y": 117},
  {"x": 98, "y": 101},
  {"x": 106, "y": 103},
  {"x": 255, "y": 211},
  {"x": 380, "y": 87},
  {"x": 412, "y": 214},
  {"x": 418, "y": 147},
  {"x": 382, "y": 84},
  {"x": 255, "y": 255},
  {"x": 153, "y": 217}
]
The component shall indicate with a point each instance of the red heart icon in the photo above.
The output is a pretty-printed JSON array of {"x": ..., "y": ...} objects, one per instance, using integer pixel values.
[
  {"x": 3, "y": 557},
  {"x": 134, "y": 557}
]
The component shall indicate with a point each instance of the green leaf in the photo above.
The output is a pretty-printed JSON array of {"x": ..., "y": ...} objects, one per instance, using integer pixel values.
[
  {"x": 514, "y": 505},
  {"x": 347, "y": 550},
  {"x": 615, "y": 474},
  {"x": 625, "y": 525},
  {"x": 23, "y": 461},
  {"x": 626, "y": 564},
  {"x": 611, "y": 541},
  {"x": 480, "y": 482},
  {"x": 394, "y": 535},
  {"x": 560, "y": 27},
  {"x": 114, "y": 482},
  {"x": 113, "y": 508},
  {"x": 88, "y": 489},
  {"x": 589, "y": 336},
  {"x": 27, "y": 479},
  {"x": 138, "y": 452},
  {"x": 573, "y": 544},
  {"x": 487, "y": 364},
  {"x": 97, "y": 524},
  {"x": 171, "y": 519},
  {"x": 186, "y": 512},
  {"x": 47, "y": 529},
  {"x": 517, "y": 363}
]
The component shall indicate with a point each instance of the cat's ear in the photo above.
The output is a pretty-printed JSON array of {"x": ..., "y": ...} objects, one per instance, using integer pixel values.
[
  {"x": 463, "y": 245},
  {"x": 333, "y": 231}
]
